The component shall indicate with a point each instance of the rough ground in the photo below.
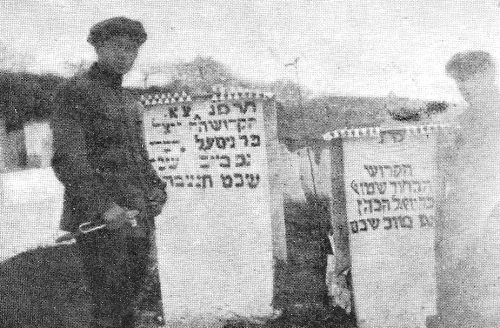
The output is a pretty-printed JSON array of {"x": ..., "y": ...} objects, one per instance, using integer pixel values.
[{"x": 43, "y": 288}]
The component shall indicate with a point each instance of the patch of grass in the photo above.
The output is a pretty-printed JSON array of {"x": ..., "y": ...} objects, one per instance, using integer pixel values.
[
  {"x": 300, "y": 289},
  {"x": 301, "y": 280},
  {"x": 43, "y": 288},
  {"x": 302, "y": 317}
]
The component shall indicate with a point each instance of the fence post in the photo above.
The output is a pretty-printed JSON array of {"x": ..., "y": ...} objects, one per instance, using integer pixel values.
[{"x": 4, "y": 141}]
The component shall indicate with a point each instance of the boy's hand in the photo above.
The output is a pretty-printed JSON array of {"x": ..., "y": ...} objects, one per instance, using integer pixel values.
[
  {"x": 156, "y": 200},
  {"x": 116, "y": 216},
  {"x": 158, "y": 196}
]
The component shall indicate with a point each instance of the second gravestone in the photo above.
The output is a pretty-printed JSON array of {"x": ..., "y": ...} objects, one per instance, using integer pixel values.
[
  {"x": 388, "y": 208},
  {"x": 214, "y": 237}
]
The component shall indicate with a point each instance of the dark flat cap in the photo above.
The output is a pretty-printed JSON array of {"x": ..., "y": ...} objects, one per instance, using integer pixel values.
[
  {"x": 117, "y": 26},
  {"x": 465, "y": 64}
]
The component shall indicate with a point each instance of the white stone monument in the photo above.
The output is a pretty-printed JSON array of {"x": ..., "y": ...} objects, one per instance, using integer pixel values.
[
  {"x": 216, "y": 233},
  {"x": 38, "y": 140},
  {"x": 390, "y": 196}
]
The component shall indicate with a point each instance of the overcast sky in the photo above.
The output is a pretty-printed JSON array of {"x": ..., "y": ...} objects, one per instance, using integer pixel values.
[{"x": 355, "y": 47}]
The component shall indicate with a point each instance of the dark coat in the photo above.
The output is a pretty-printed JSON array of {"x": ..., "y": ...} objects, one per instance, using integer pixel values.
[{"x": 99, "y": 149}]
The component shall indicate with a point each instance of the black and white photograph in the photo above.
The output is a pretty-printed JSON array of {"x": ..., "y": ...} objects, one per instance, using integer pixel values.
[{"x": 250, "y": 164}]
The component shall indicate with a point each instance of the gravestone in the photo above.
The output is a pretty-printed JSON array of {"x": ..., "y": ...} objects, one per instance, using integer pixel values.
[
  {"x": 218, "y": 155},
  {"x": 38, "y": 141},
  {"x": 290, "y": 176},
  {"x": 386, "y": 212}
]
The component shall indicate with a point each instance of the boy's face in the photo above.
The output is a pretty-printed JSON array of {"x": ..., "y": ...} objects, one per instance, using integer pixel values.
[
  {"x": 117, "y": 54},
  {"x": 477, "y": 87}
]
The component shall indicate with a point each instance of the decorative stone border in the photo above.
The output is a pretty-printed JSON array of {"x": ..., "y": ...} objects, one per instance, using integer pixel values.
[
  {"x": 375, "y": 131},
  {"x": 220, "y": 94}
]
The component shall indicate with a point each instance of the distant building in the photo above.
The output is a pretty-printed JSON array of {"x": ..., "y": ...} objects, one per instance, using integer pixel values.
[
  {"x": 29, "y": 147},
  {"x": 12, "y": 149}
]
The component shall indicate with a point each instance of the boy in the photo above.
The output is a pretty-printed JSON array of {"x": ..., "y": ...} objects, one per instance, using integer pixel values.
[{"x": 100, "y": 157}]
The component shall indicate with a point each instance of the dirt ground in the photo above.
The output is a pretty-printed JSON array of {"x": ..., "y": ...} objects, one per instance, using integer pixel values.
[{"x": 44, "y": 288}]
